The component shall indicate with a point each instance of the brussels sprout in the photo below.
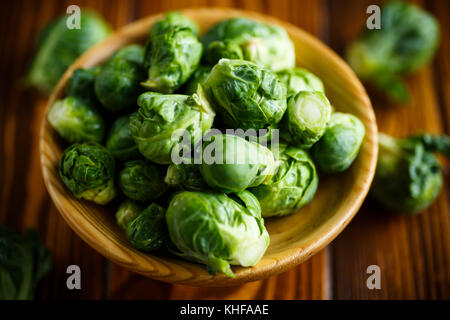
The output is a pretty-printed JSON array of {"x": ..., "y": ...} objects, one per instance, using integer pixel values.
[
  {"x": 81, "y": 85},
  {"x": 185, "y": 177},
  {"x": 407, "y": 40},
  {"x": 148, "y": 231},
  {"x": 297, "y": 79},
  {"x": 293, "y": 185},
  {"x": 87, "y": 170},
  {"x": 222, "y": 49},
  {"x": 172, "y": 54},
  {"x": 306, "y": 118},
  {"x": 132, "y": 52},
  {"x": 128, "y": 210},
  {"x": 117, "y": 86},
  {"x": 408, "y": 177},
  {"x": 59, "y": 46},
  {"x": 339, "y": 145},
  {"x": 76, "y": 121},
  {"x": 245, "y": 95},
  {"x": 120, "y": 142},
  {"x": 163, "y": 119},
  {"x": 264, "y": 44},
  {"x": 238, "y": 164},
  {"x": 140, "y": 180},
  {"x": 198, "y": 78},
  {"x": 172, "y": 19},
  {"x": 217, "y": 230},
  {"x": 24, "y": 261}
]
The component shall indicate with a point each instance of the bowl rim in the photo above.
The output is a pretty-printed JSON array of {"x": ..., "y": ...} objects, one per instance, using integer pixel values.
[{"x": 132, "y": 259}]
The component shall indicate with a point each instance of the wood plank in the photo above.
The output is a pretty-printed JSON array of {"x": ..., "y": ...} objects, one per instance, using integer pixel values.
[
  {"x": 307, "y": 281},
  {"x": 24, "y": 200},
  {"x": 412, "y": 252},
  {"x": 440, "y": 8}
]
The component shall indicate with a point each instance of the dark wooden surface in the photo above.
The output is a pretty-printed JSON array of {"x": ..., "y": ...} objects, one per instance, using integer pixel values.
[{"x": 412, "y": 252}]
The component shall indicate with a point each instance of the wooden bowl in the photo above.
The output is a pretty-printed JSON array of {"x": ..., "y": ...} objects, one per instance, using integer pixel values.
[{"x": 294, "y": 238}]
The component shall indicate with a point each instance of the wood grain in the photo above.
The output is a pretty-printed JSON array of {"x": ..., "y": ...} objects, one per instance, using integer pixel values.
[{"x": 412, "y": 252}]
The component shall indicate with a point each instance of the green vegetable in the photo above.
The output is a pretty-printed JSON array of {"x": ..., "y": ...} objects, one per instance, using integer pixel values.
[
  {"x": 172, "y": 19},
  {"x": 217, "y": 230},
  {"x": 172, "y": 54},
  {"x": 222, "y": 49},
  {"x": 76, "y": 121},
  {"x": 128, "y": 210},
  {"x": 81, "y": 85},
  {"x": 132, "y": 52},
  {"x": 185, "y": 177},
  {"x": 339, "y": 146},
  {"x": 245, "y": 95},
  {"x": 142, "y": 181},
  {"x": 408, "y": 177},
  {"x": 59, "y": 46},
  {"x": 120, "y": 142},
  {"x": 24, "y": 261},
  {"x": 298, "y": 79},
  {"x": 117, "y": 86},
  {"x": 237, "y": 164},
  {"x": 162, "y": 120},
  {"x": 292, "y": 186},
  {"x": 266, "y": 45},
  {"x": 87, "y": 170},
  {"x": 148, "y": 231},
  {"x": 306, "y": 118},
  {"x": 198, "y": 78},
  {"x": 407, "y": 40}
]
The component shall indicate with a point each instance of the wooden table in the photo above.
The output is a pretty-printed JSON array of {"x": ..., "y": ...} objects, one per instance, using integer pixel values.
[{"x": 412, "y": 252}]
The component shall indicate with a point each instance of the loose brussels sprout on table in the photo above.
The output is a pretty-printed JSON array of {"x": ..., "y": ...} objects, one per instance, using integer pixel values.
[
  {"x": 238, "y": 164},
  {"x": 267, "y": 45},
  {"x": 298, "y": 79},
  {"x": 245, "y": 95},
  {"x": 60, "y": 46},
  {"x": 148, "y": 231},
  {"x": 76, "y": 121},
  {"x": 128, "y": 210},
  {"x": 292, "y": 186},
  {"x": 408, "y": 177},
  {"x": 142, "y": 181},
  {"x": 163, "y": 119},
  {"x": 117, "y": 85},
  {"x": 217, "y": 230},
  {"x": 339, "y": 146},
  {"x": 215, "y": 208},
  {"x": 87, "y": 170},
  {"x": 407, "y": 40},
  {"x": 306, "y": 118},
  {"x": 172, "y": 54},
  {"x": 120, "y": 142},
  {"x": 24, "y": 261}
]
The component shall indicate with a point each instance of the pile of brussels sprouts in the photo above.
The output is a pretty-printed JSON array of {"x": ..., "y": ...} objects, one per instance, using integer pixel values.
[{"x": 126, "y": 119}]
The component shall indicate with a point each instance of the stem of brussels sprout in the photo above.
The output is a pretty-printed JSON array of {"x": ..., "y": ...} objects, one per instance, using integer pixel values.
[{"x": 150, "y": 84}]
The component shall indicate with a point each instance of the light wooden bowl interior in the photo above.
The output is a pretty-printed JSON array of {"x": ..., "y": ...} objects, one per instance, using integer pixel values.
[{"x": 294, "y": 238}]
